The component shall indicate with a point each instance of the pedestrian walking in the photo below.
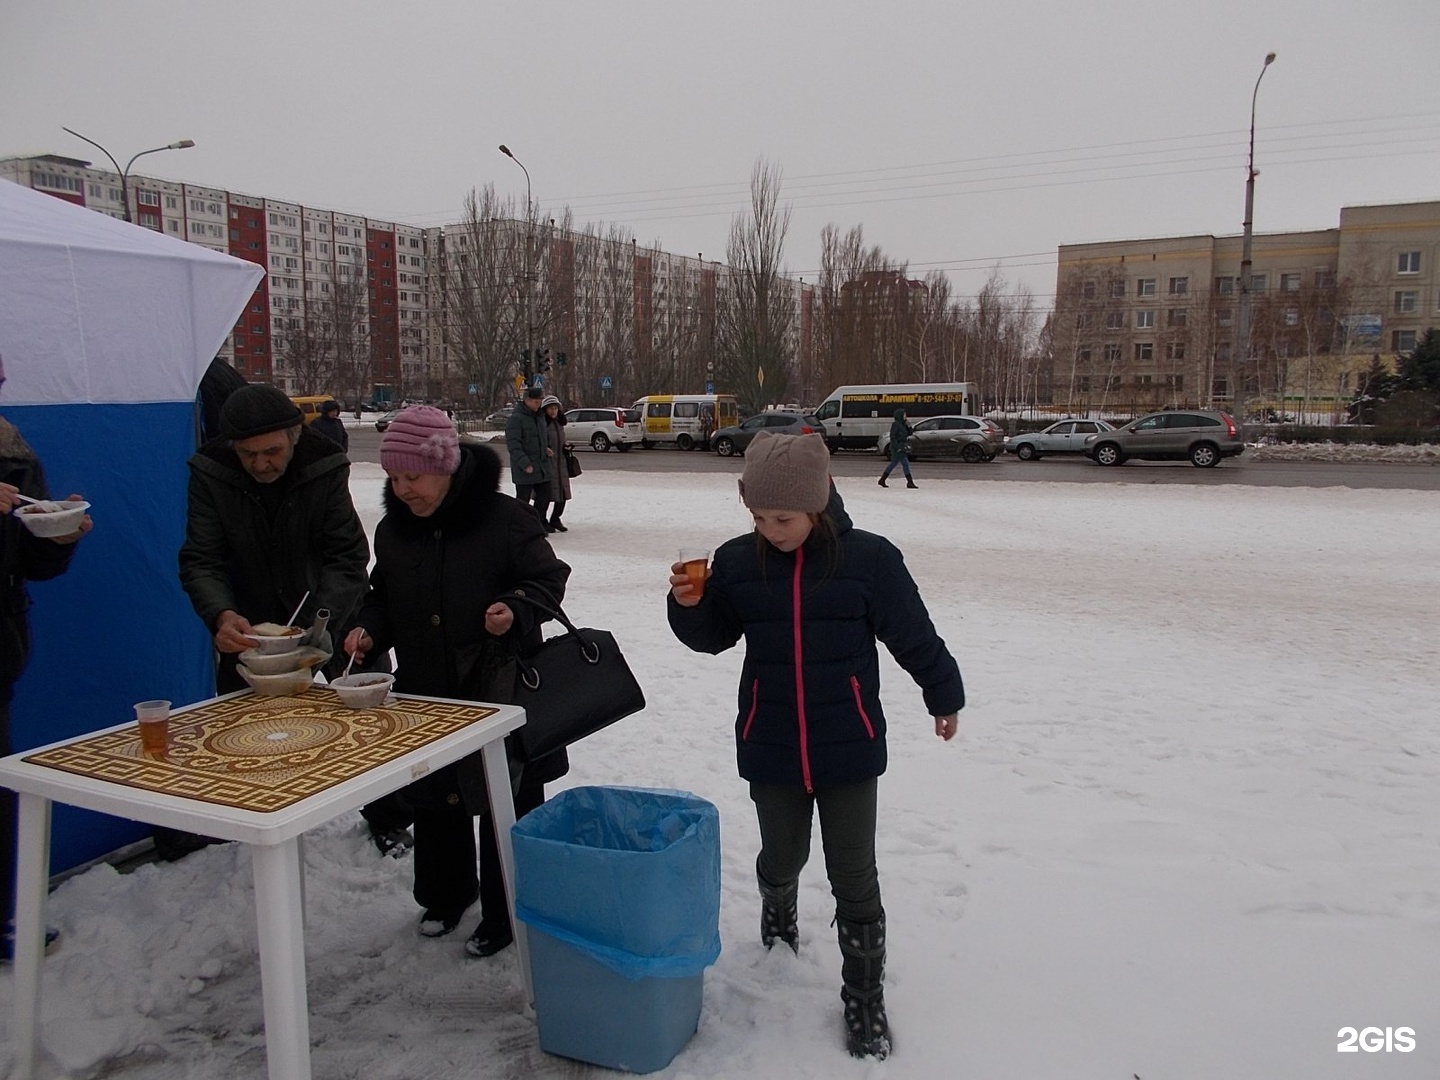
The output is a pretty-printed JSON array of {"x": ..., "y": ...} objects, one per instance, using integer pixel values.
[
  {"x": 560, "y": 452},
  {"x": 900, "y": 433},
  {"x": 812, "y": 596}
]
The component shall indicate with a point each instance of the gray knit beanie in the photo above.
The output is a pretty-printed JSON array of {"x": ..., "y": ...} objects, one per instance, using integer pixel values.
[{"x": 786, "y": 472}]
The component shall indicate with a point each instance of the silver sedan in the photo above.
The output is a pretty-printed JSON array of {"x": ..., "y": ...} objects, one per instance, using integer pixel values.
[{"x": 1061, "y": 437}]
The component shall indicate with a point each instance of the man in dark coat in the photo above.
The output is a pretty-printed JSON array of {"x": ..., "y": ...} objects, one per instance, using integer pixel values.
[
  {"x": 329, "y": 424},
  {"x": 270, "y": 518},
  {"x": 532, "y": 465},
  {"x": 23, "y": 557},
  {"x": 448, "y": 549},
  {"x": 900, "y": 433}
]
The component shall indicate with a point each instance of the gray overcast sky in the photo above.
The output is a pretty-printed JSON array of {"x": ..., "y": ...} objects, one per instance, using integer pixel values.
[{"x": 960, "y": 135}]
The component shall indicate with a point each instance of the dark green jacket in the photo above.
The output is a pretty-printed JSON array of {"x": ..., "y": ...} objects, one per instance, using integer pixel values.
[
  {"x": 235, "y": 558},
  {"x": 900, "y": 433},
  {"x": 23, "y": 557},
  {"x": 525, "y": 442}
]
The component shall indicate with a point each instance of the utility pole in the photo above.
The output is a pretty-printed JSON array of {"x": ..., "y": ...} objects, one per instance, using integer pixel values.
[
  {"x": 1241, "y": 364},
  {"x": 178, "y": 144}
]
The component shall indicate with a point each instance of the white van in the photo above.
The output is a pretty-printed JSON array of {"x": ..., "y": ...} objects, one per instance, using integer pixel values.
[
  {"x": 856, "y": 416},
  {"x": 685, "y": 420}
]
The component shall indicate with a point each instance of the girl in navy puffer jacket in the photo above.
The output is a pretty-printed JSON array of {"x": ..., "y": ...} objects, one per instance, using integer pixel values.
[{"x": 811, "y": 596}]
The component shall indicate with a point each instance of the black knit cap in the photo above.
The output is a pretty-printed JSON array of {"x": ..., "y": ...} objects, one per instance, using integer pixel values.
[{"x": 257, "y": 410}]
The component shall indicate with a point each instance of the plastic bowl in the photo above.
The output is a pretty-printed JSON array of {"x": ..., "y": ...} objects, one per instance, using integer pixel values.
[
  {"x": 270, "y": 644},
  {"x": 49, "y": 519},
  {"x": 364, "y": 691},
  {"x": 287, "y": 684},
  {"x": 260, "y": 663}
]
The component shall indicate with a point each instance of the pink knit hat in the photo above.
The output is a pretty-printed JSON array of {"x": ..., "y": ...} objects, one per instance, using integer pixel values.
[{"x": 421, "y": 439}]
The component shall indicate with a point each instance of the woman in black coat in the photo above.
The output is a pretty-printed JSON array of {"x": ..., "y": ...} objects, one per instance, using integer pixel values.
[{"x": 449, "y": 545}]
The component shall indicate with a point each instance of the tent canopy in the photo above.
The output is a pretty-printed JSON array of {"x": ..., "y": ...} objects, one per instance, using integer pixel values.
[{"x": 105, "y": 330}]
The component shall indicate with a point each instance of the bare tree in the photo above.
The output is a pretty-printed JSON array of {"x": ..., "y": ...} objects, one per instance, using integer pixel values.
[
  {"x": 328, "y": 344},
  {"x": 754, "y": 326}
]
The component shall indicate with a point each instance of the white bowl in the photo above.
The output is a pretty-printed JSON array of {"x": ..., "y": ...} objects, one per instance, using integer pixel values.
[
  {"x": 270, "y": 644},
  {"x": 260, "y": 663},
  {"x": 286, "y": 684},
  {"x": 47, "y": 518},
  {"x": 365, "y": 690}
]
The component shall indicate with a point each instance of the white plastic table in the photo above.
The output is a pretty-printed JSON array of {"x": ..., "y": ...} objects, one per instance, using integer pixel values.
[{"x": 273, "y": 837}]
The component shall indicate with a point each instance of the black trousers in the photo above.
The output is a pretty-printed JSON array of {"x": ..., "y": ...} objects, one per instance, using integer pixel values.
[
  {"x": 557, "y": 510},
  {"x": 7, "y": 826},
  {"x": 847, "y": 836},
  {"x": 538, "y": 494}
]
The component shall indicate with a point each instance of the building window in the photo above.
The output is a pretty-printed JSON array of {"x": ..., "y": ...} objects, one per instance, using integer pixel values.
[
  {"x": 1112, "y": 354},
  {"x": 1289, "y": 282},
  {"x": 197, "y": 228},
  {"x": 1257, "y": 282},
  {"x": 1144, "y": 320},
  {"x": 197, "y": 206},
  {"x": 1145, "y": 286},
  {"x": 171, "y": 202},
  {"x": 1179, "y": 286},
  {"x": 1177, "y": 316},
  {"x": 1081, "y": 355},
  {"x": 148, "y": 198},
  {"x": 1087, "y": 290},
  {"x": 1144, "y": 350},
  {"x": 1407, "y": 302},
  {"x": 1175, "y": 350},
  {"x": 1222, "y": 352},
  {"x": 1143, "y": 380},
  {"x": 1177, "y": 382},
  {"x": 150, "y": 221},
  {"x": 1225, "y": 286},
  {"x": 1402, "y": 341},
  {"x": 1114, "y": 320},
  {"x": 1407, "y": 262},
  {"x": 1112, "y": 382},
  {"x": 1224, "y": 317},
  {"x": 1325, "y": 279}
]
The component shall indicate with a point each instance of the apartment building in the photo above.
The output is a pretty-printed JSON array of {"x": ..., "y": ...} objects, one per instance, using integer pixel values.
[{"x": 1147, "y": 323}]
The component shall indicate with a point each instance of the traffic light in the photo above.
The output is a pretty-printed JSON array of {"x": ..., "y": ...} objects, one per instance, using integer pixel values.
[{"x": 561, "y": 359}]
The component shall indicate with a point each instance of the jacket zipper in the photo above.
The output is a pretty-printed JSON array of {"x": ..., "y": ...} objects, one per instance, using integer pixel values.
[
  {"x": 860, "y": 706},
  {"x": 800, "y": 673},
  {"x": 754, "y": 704}
]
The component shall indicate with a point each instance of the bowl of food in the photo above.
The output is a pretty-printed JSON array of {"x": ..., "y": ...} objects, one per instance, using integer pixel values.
[
  {"x": 364, "y": 691},
  {"x": 260, "y": 663},
  {"x": 271, "y": 638},
  {"x": 49, "y": 518},
  {"x": 286, "y": 684}
]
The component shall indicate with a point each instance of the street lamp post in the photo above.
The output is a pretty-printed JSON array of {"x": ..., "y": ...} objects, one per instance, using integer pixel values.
[
  {"x": 1241, "y": 367},
  {"x": 529, "y": 260},
  {"x": 178, "y": 144}
]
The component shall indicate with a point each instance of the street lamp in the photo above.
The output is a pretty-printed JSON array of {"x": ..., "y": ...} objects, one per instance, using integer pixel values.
[
  {"x": 178, "y": 144},
  {"x": 1242, "y": 351},
  {"x": 529, "y": 258}
]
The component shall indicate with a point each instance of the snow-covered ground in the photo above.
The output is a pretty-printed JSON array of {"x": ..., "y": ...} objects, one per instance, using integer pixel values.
[{"x": 1188, "y": 831}]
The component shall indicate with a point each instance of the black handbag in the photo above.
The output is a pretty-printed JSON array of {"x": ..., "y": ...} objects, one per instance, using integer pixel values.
[
  {"x": 571, "y": 686},
  {"x": 572, "y": 463}
]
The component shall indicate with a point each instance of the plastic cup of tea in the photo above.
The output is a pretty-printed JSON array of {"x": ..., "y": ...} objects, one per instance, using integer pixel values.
[
  {"x": 697, "y": 565},
  {"x": 153, "y": 719}
]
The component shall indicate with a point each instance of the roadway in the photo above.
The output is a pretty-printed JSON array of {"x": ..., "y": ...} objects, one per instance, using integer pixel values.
[{"x": 365, "y": 446}]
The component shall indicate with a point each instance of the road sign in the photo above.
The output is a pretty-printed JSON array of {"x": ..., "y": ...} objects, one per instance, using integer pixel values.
[
  {"x": 606, "y": 382},
  {"x": 538, "y": 382},
  {"x": 709, "y": 388},
  {"x": 474, "y": 388}
]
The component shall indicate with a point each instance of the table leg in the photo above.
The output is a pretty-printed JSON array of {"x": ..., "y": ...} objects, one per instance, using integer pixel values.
[
  {"x": 281, "y": 922},
  {"x": 502, "y": 807},
  {"x": 32, "y": 882}
]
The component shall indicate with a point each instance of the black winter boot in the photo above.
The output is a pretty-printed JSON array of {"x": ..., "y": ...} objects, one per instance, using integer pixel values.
[
  {"x": 779, "y": 917},
  {"x": 882, "y": 482},
  {"x": 910, "y": 483},
  {"x": 862, "y": 948}
]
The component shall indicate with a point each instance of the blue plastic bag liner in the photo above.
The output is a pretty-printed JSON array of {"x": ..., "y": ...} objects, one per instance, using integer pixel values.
[{"x": 628, "y": 876}]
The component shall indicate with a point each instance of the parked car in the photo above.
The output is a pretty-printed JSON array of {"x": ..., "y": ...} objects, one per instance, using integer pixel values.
[
  {"x": 384, "y": 421},
  {"x": 969, "y": 438},
  {"x": 604, "y": 427},
  {"x": 734, "y": 439},
  {"x": 1202, "y": 437},
  {"x": 500, "y": 417},
  {"x": 1061, "y": 437}
]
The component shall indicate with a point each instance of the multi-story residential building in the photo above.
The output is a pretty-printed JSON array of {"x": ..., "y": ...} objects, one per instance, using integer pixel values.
[{"x": 1146, "y": 323}]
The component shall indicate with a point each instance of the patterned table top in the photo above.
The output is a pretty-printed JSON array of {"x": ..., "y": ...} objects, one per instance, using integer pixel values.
[{"x": 264, "y": 753}]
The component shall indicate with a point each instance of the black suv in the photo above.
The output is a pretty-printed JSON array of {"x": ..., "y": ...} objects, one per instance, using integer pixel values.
[{"x": 1202, "y": 438}]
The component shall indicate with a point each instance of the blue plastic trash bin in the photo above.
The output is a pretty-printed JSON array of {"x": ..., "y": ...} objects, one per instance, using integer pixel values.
[{"x": 620, "y": 889}]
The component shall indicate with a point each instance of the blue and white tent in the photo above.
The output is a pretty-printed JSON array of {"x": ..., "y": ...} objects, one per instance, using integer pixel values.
[{"x": 106, "y": 330}]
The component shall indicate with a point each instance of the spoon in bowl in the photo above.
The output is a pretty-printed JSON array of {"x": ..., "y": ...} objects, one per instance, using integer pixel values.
[
  {"x": 298, "y": 606},
  {"x": 348, "y": 666}
]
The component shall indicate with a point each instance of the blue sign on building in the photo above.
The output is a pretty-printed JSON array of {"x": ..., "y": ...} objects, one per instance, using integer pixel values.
[{"x": 606, "y": 382}]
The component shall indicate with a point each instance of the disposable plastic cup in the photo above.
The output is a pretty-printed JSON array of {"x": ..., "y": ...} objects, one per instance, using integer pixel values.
[
  {"x": 697, "y": 567},
  {"x": 153, "y": 719}
]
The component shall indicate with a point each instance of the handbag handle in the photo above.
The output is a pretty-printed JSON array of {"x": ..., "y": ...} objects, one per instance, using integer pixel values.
[{"x": 590, "y": 650}]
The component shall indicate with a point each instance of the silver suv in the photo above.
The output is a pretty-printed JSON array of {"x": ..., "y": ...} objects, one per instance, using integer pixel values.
[
  {"x": 603, "y": 428},
  {"x": 1202, "y": 438}
]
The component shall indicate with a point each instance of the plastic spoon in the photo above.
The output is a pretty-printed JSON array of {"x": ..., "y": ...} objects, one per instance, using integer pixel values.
[
  {"x": 348, "y": 666},
  {"x": 298, "y": 606}
]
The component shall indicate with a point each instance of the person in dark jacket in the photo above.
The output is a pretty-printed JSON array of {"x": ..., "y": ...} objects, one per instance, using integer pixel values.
[
  {"x": 812, "y": 595},
  {"x": 900, "y": 433},
  {"x": 532, "y": 466},
  {"x": 329, "y": 424},
  {"x": 269, "y": 519},
  {"x": 448, "y": 548},
  {"x": 23, "y": 557},
  {"x": 555, "y": 442}
]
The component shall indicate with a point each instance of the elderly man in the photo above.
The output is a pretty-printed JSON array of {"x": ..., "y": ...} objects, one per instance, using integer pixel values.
[
  {"x": 532, "y": 462},
  {"x": 270, "y": 519},
  {"x": 23, "y": 557}
]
